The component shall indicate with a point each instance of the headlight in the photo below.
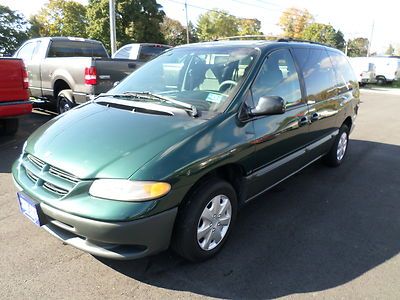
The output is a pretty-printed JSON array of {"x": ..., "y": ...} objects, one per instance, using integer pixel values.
[{"x": 127, "y": 190}]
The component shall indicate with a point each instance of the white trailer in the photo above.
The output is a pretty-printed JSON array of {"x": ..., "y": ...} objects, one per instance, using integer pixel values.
[{"x": 387, "y": 68}]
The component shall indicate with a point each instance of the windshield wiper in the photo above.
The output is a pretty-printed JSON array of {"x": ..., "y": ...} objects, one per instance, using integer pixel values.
[{"x": 147, "y": 95}]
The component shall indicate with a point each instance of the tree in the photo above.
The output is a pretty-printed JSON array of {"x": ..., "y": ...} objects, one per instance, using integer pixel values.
[
  {"x": 173, "y": 31},
  {"x": 193, "y": 37},
  {"x": 249, "y": 27},
  {"x": 357, "y": 47},
  {"x": 60, "y": 18},
  {"x": 293, "y": 21},
  {"x": 12, "y": 30},
  {"x": 325, "y": 34},
  {"x": 390, "y": 50},
  {"x": 216, "y": 24},
  {"x": 136, "y": 21}
]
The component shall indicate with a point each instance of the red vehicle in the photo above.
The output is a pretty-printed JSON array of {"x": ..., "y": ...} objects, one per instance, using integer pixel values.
[{"x": 14, "y": 94}]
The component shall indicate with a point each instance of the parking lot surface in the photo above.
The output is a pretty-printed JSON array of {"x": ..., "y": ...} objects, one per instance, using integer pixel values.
[{"x": 326, "y": 233}]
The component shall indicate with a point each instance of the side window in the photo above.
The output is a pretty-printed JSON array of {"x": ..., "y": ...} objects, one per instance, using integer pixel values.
[
  {"x": 123, "y": 52},
  {"x": 344, "y": 73},
  {"x": 26, "y": 51},
  {"x": 318, "y": 73},
  {"x": 278, "y": 77}
]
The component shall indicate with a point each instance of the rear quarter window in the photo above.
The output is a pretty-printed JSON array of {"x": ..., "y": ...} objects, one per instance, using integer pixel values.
[
  {"x": 345, "y": 75},
  {"x": 76, "y": 49},
  {"x": 148, "y": 52}
]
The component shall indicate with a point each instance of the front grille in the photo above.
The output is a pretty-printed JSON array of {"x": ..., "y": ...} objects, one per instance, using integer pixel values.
[{"x": 47, "y": 177}]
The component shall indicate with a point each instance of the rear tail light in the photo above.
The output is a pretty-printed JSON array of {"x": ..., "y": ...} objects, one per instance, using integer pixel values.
[
  {"x": 91, "y": 76},
  {"x": 25, "y": 79}
]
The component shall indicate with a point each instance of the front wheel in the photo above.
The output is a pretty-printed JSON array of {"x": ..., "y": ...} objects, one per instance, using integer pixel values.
[
  {"x": 339, "y": 149},
  {"x": 65, "y": 101},
  {"x": 205, "y": 220}
]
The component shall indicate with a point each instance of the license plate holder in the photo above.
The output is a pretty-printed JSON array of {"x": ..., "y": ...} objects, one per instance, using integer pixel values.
[{"x": 30, "y": 209}]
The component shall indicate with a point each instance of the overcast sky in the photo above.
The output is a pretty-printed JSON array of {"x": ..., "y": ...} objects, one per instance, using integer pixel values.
[{"x": 353, "y": 18}]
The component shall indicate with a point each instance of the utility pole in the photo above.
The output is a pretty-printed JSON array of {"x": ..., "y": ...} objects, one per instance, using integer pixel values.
[
  {"x": 112, "y": 27},
  {"x": 370, "y": 39},
  {"x": 187, "y": 23}
]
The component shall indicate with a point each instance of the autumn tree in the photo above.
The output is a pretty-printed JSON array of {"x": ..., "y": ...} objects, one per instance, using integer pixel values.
[
  {"x": 323, "y": 33},
  {"x": 357, "y": 47},
  {"x": 293, "y": 22},
  {"x": 12, "y": 30},
  {"x": 60, "y": 18},
  {"x": 216, "y": 24},
  {"x": 249, "y": 27},
  {"x": 136, "y": 21},
  {"x": 173, "y": 31}
]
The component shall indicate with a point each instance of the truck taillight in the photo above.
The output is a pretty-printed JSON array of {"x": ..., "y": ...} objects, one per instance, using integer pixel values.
[
  {"x": 25, "y": 79},
  {"x": 91, "y": 76}
]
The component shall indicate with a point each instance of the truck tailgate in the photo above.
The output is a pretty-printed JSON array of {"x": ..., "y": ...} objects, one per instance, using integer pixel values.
[
  {"x": 111, "y": 70},
  {"x": 11, "y": 80}
]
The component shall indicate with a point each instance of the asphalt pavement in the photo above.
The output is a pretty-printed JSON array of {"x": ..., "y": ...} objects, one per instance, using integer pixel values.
[{"x": 324, "y": 233}]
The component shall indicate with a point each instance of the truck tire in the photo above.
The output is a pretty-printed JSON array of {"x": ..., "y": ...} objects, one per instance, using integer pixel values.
[
  {"x": 10, "y": 126},
  {"x": 65, "y": 101},
  {"x": 381, "y": 80}
]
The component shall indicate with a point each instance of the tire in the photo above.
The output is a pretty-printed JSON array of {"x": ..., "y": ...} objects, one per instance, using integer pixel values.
[
  {"x": 65, "y": 101},
  {"x": 10, "y": 126},
  {"x": 338, "y": 151},
  {"x": 381, "y": 81},
  {"x": 198, "y": 228}
]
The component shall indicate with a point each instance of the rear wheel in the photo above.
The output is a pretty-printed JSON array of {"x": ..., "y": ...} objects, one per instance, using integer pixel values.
[
  {"x": 10, "y": 126},
  {"x": 339, "y": 149},
  {"x": 381, "y": 80},
  {"x": 205, "y": 221},
  {"x": 65, "y": 101}
]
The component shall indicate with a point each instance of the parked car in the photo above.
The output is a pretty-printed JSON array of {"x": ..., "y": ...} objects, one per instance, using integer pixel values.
[
  {"x": 69, "y": 71},
  {"x": 14, "y": 95},
  {"x": 169, "y": 155},
  {"x": 140, "y": 51},
  {"x": 365, "y": 71}
]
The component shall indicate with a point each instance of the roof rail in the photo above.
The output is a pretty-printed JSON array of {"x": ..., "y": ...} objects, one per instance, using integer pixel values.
[{"x": 300, "y": 41}]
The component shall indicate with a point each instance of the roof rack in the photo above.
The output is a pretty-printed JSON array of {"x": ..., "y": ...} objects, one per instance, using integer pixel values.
[{"x": 268, "y": 38}]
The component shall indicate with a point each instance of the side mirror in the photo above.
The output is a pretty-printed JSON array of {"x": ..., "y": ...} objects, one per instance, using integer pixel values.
[{"x": 268, "y": 105}]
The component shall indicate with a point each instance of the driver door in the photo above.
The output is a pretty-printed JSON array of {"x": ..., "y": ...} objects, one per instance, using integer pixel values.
[{"x": 279, "y": 139}]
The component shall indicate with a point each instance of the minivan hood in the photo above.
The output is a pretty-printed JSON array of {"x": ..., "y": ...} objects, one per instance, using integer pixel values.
[{"x": 95, "y": 141}]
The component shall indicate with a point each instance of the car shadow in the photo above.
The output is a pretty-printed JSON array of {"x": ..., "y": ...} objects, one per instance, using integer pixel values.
[
  {"x": 320, "y": 229},
  {"x": 11, "y": 146}
]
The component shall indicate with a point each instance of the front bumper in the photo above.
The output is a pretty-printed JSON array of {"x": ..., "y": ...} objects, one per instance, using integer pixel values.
[{"x": 114, "y": 240}]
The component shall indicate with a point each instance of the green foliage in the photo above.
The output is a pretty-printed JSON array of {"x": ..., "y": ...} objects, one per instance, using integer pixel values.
[
  {"x": 357, "y": 47},
  {"x": 136, "y": 21},
  {"x": 12, "y": 30},
  {"x": 323, "y": 33},
  {"x": 60, "y": 18},
  {"x": 173, "y": 31},
  {"x": 390, "y": 50},
  {"x": 293, "y": 22},
  {"x": 249, "y": 27},
  {"x": 216, "y": 24}
]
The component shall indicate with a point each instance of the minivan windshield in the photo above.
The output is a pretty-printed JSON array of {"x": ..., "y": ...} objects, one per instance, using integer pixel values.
[{"x": 205, "y": 77}]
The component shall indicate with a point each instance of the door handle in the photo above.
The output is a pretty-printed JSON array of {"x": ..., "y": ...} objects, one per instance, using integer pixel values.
[
  {"x": 303, "y": 121},
  {"x": 314, "y": 117}
]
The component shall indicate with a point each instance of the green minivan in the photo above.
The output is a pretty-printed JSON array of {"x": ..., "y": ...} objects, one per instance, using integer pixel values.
[{"x": 168, "y": 155}]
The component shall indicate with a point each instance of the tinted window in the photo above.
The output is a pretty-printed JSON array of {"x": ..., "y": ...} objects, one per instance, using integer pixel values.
[
  {"x": 123, "y": 52},
  {"x": 318, "y": 73},
  {"x": 148, "y": 52},
  {"x": 344, "y": 72},
  {"x": 26, "y": 51},
  {"x": 278, "y": 77},
  {"x": 76, "y": 48}
]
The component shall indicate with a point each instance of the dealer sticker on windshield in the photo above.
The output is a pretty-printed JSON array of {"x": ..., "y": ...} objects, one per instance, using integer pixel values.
[
  {"x": 29, "y": 208},
  {"x": 215, "y": 98}
]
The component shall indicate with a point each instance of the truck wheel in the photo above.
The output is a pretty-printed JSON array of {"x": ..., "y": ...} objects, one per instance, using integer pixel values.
[
  {"x": 381, "y": 80},
  {"x": 204, "y": 221},
  {"x": 65, "y": 101},
  {"x": 10, "y": 126},
  {"x": 339, "y": 149}
]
